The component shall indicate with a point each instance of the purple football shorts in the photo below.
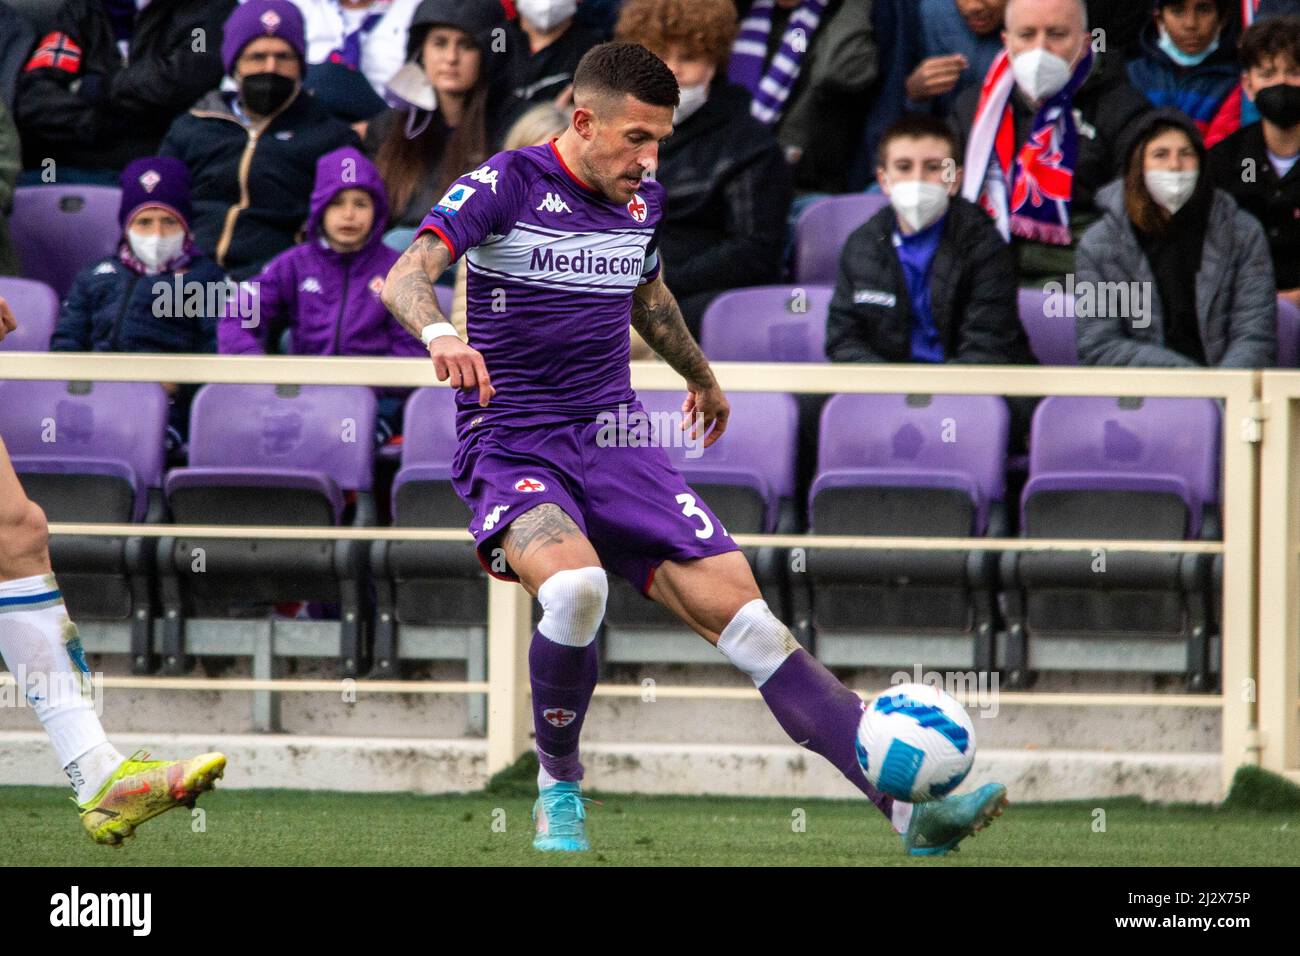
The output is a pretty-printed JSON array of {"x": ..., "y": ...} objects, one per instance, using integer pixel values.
[{"x": 630, "y": 502}]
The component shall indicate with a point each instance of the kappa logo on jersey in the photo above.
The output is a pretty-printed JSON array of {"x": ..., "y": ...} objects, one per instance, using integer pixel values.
[
  {"x": 310, "y": 284},
  {"x": 559, "y": 716},
  {"x": 553, "y": 203},
  {"x": 485, "y": 175},
  {"x": 450, "y": 204},
  {"x": 529, "y": 485},
  {"x": 491, "y": 520},
  {"x": 636, "y": 208}
]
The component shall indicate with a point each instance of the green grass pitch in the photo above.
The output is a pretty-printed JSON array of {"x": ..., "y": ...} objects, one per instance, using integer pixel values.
[{"x": 289, "y": 828}]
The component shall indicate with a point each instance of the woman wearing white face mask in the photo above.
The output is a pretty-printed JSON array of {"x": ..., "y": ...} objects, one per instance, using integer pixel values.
[
  {"x": 1195, "y": 267},
  {"x": 729, "y": 187},
  {"x": 129, "y": 302}
]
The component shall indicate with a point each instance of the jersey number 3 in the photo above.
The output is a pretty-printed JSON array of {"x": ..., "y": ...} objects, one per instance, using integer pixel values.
[{"x": 691, "y": 511}]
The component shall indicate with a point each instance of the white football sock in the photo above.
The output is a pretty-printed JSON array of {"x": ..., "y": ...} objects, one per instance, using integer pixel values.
[
  {"x": 41, "y": 648},
  {"x": 756, "y": 641},
  {"x": 900, "y": 816},
  {"x": 544, "y": 779}
]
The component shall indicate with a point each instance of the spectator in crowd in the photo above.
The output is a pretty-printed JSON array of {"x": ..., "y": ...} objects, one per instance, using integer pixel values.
[
  {"x": 928, "y": 278},
  {"x": 1194, "y": 264},
  {"x": 349, "y": 37},
  {"x": 728, "y": 185},
  {"x": 543, "y": 47},
  {"x": 959, "y": 40},
  {"x": 1189, "y": 59},
  {"x": 808, "y": 64},
  {"x": 1257, "y": 164},
  {"x": 1047, "y": 135},
  {"x": 158, "y": 293},
  {"x": 10, "y": 164},
  {"x": 101, "y": 88},
  {"x": 453, "y": 110},
  {"x": 325, "y": 291},
  {"x": 16, "y": 41},
  {"x": 251, "y": 152}
]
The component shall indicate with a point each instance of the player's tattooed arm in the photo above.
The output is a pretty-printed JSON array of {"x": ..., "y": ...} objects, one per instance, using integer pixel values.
[
  {"x": 408, "y": 290},
  {"x": 408, "y": 294},
  {"x": 658, "y": 319}
]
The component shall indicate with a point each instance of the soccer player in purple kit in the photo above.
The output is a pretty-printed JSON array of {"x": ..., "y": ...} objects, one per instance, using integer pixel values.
[{"x": 560, "y": 245}]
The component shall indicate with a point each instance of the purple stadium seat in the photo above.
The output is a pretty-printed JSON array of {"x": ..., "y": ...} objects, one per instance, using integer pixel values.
[
  {"x": 429, "y": 439},
  {"x": 36, "y": 307},
  {"x": 954, "y": 442},
  {"x": 77, "y": 429},
  {"x": 1160, "y": 446},
  {"x": 1051, "y": 337},
  {"x": 315, "y": 438},
  {"x": 425, "y": 583},
  {"x": 757, "y": 451},
  {"x": 59, "y": 230},
  {"x": 822, "y": 228},
  {"x": 1116, "y": 468},
  {"x": 1288, "y": 334},
  {"x": 759, "y": 324}
]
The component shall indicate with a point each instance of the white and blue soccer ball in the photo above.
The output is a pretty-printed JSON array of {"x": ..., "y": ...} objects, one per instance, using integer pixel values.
[{"x": 915, "y": 742}]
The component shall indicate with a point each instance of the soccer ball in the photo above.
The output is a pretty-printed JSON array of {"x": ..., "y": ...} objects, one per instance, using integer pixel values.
[{"x": 915, "y": 742}]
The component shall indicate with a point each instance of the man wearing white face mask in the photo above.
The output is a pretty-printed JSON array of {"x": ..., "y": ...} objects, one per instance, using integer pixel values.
[
  {"x": 543, "y": 47},
  {"x": 116, "y": 304},
  {"x": 927, "y": 279},
  {"x": 729, "y": 187},
  {"x": 1041, "y": 135},
  {"x": 1194, "y": 265}
]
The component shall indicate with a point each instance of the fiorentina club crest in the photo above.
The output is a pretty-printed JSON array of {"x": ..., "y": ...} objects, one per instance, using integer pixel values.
[
  {"x": 636, "y": 208},
  {"x": 377, "y": 285},
  {"x": 150, "y": 179},
  {"x": 270, "y": 19},
  {"x": 1042, "y": 177},
  {"x": 529, "y": 485},
  {"x": 559, "y": 716}
]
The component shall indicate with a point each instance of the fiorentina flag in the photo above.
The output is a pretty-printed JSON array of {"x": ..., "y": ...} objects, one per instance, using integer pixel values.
[
  {"x": 57, "y": 50},
  {"x": 1248, "y": 8}
]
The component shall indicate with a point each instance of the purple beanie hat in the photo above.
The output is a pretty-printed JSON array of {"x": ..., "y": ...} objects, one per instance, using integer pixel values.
[
  {"x": 155, "y": 181},
  {"x": 261, "y": 18}
]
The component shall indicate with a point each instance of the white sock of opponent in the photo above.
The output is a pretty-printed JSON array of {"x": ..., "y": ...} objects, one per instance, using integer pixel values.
[{"x": 40, "y": 646}]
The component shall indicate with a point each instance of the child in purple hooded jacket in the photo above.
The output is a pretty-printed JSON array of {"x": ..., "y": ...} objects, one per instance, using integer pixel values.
[{"x": 325, "y": 291}]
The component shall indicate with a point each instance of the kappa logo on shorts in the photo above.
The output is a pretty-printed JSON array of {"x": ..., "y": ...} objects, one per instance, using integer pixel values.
[
  {"x": 559, "y": 716},
  {"x": 491, "y": 520},
  {"x": 529, "y": 484}
]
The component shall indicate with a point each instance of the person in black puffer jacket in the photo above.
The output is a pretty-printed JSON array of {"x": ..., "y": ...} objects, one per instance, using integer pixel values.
[
  {"x": 252, "y": 154},
  {"x": 729, "y": 187},
  {"x": 102, "y": 86}
]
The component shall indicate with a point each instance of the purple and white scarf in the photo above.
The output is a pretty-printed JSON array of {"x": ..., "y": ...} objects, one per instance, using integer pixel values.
[{"x": 748, "y": 53}]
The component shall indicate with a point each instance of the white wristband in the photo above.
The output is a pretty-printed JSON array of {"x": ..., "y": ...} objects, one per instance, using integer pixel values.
[{"x": 436, "y": 329}]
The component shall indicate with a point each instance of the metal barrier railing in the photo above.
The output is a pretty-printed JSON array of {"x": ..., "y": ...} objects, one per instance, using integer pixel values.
[{"x": 509, "y": 621}]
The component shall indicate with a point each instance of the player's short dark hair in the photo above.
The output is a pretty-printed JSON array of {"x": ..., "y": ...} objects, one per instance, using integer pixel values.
[
  {"x": 618, "y": 68},
  {"x": 1265, "y": 39},
  {"x": 915, "y": 126}
]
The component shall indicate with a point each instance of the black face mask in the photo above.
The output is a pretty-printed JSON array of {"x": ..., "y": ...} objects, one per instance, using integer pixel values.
[
  {"x": 1280, "y": 104},
  {"x": 264, "y": 93}
]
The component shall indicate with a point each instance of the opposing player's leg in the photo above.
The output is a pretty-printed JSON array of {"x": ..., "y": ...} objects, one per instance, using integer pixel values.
[
  {"x": 719, "y": 599},
  {"x": 556, "y": 563},
  {"x": 41, "y": 648}
]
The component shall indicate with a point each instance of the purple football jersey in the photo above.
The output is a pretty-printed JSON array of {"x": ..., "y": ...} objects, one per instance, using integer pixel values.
[{"x": 552, "y": 267}]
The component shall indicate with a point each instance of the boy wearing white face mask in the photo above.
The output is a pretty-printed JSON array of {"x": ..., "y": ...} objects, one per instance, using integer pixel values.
[
  {"x": 927, "y": 279},
  {"x": 1041, "y": 135},
  {"x": 1189, "y": 60},
  {"x": 543, "y": 47},
  {"x": 127, "y": 302},
  {"x": 1194, "y": 265}
]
